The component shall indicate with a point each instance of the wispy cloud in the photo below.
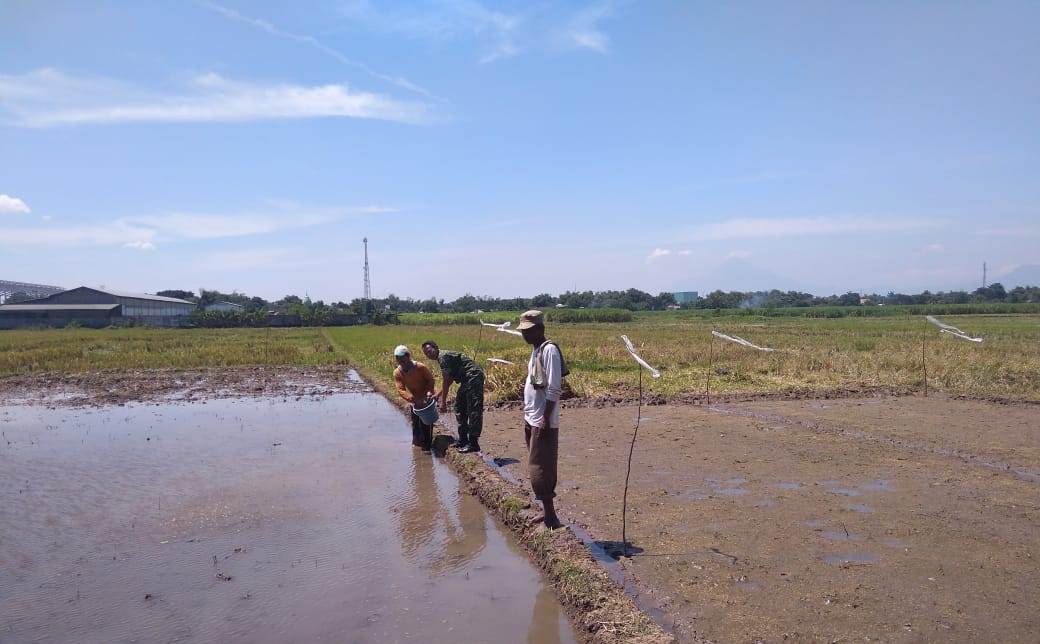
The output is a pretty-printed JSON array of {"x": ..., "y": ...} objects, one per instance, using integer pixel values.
[
  {"x": 498, "y": 33},
  {"x": 758, "y": 228},
  {"x": 443, "y": 20},
  {"x": 314, "y": 43},
  {"x": 661, "y": 253},
  {"x": 49, "y": 98},
  {"x": 738, "y": 254},
  {"x": 139, "y": 245},
  {"x": 13, "y": 206},
  {"x": 585, "y": 32},
  {"x": 1011, "y": 231},
  {"x": 145, "y": 232}
]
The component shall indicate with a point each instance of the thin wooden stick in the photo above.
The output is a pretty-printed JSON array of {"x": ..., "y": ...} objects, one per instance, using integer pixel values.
[
  {"x": 924, "y": 364},
  {"x": 628, "y": 472},
  {"x": 707, "y": 374}
]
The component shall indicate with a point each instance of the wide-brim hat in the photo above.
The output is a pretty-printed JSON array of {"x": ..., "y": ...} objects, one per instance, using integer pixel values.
[{"x": 531, "y": 319}]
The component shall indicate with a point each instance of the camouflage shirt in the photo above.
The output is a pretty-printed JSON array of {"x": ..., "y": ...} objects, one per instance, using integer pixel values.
[{"x": 458, "y": 366}]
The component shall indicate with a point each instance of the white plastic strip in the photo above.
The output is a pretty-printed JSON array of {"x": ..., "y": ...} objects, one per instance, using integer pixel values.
[
  {"x": 499, "y": 361},
  {"x": 504, "y": 325},
  {"x": 962, "y": 336},
  {"x": 942, "y": 325},
  {"x": 509, "y": 331},
  {"x": 733, "y": 338},
  {"x": 635, "y": 356}
]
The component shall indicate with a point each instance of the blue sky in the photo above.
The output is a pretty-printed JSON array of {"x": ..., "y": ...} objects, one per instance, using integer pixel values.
[{"x": 517, "y": 148}]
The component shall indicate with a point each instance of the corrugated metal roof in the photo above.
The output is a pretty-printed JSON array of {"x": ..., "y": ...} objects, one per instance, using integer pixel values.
[
  {"x": 144, "y": 296},
  {"x": 57, "y": 307}
]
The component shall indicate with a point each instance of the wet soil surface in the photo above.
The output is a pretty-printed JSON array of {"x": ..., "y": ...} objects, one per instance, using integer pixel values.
[
  {"x": 890, "y": 519},
  {"x": 100, "y": 388},
  {"x": 254, "y": 519}
]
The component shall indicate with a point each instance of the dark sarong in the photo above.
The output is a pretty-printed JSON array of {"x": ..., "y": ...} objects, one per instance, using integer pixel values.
[
  {"x": 422, "y": 434},
  {"x": 543, "y": 449}
]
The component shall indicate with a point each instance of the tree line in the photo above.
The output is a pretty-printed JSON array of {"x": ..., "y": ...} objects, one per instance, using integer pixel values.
[{"x": 631, "y": 299}]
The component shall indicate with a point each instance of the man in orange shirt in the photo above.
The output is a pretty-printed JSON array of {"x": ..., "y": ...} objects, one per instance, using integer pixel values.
[{"x": 416, "y": 385}]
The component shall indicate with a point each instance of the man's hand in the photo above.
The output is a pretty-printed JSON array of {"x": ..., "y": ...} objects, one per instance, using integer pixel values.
[{"x": 419, "y": 402}]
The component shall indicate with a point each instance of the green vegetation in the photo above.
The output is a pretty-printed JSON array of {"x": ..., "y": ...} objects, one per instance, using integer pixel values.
[
  {"x": 811, "y": 354},
  {"x": 79, "y": 350},
  {"x": 563, "y": 316},
  {"x": 897, "y": 310}
]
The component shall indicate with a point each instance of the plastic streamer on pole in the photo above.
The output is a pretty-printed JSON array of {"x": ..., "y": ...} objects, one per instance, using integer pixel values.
[
  {"x": 509, "y": 331},
  {"x": 635, "y": 432},
  {"x": 635, "y": 356},
  {"x": 738, "y": 340},
  {"x": 942, "y": 325},
  {"x": 499, "y": 361},
  {"x": 961, "y": 335},
  {"x": 504, "y": 325}
]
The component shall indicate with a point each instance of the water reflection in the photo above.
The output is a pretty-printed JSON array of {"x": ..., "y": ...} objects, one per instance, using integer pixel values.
[{"x": 437, "y": 530}]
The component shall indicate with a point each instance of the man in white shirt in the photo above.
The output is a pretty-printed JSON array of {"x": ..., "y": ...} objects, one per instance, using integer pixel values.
[{"x": 545, "y": 371}]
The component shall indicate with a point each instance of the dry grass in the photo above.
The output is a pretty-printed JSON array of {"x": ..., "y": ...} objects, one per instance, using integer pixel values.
[{"x": 810, "y": 354}]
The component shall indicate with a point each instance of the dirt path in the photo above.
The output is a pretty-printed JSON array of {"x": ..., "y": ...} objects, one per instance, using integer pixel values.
[{"x": 894, "y": 519}]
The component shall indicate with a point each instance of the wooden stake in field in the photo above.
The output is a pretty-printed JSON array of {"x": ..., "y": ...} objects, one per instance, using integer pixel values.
[
  {"x": 924, "y": 364},
  {"x": 707, "y": 374},
  {"x": 641, "y": 364}
]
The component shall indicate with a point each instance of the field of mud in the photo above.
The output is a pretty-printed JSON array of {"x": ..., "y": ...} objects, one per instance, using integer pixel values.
[
  {"x": 296, "y": 512},
  {"x": 892, "y": 519},
  {"x": 222, "y": 501}
]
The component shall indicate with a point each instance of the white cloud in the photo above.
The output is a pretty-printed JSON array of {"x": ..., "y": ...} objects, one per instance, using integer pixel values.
[
  {"x": 139, "y": 245},
  {"x": 48, "y": 98},
  {"x": 316, "y": 44},
  {"x": 1012, "y": 231},
  {"x": 684, "y": 253},
  {"x": 496, "y": 31},
  {"x": 13, "y": 206},
  {"x": 585, "y": 33},
  {"x": 738, "y": 254},
  {"x": 931, "y": 249},
  {"x": 757, "y": 228},
  {"x": 658, "y": 253},
  {"x": 144, "y": 231}
]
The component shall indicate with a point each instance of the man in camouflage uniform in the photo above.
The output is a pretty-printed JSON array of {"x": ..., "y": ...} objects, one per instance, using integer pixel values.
[{"x": 469, "y": 400}]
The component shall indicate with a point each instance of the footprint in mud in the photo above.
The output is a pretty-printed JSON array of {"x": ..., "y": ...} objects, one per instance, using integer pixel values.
[
  {"x": 840, "y": 535},
  {"x": 860, "y": 507},
  {"x": 850, "y": 559},
  {"x": 837, "y": 487},
  {"x": 728, "y": 487}
]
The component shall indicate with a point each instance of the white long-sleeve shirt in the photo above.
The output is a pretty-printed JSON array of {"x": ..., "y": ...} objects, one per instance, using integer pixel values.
[{"x": 534, "y": 398}]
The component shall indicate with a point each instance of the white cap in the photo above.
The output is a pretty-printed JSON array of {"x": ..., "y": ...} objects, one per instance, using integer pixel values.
[{"x": 402, "y": 351}]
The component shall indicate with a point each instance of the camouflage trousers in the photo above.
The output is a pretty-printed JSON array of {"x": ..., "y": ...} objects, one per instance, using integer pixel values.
[{"x": 469, "y": 408}]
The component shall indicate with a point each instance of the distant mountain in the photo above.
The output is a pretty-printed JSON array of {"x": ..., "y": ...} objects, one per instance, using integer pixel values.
[{"x": 1027, "y": 275}]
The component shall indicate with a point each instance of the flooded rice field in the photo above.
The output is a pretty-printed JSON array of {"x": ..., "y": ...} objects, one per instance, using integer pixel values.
[{"x": 255, "y": 519}]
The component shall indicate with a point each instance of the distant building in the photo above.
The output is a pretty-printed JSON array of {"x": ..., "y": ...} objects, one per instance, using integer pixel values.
[
  {"x": 95, "y": 307},
  {"x": 229, "y": 307},
  {"x": 685, "y": 297}
]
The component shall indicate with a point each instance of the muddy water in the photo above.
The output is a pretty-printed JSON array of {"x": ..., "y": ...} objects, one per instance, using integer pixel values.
[{"x": 252, "y": 520}]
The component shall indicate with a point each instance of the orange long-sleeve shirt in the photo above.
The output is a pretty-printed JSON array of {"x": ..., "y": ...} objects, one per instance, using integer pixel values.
[{"x": 419, "y": 381}]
